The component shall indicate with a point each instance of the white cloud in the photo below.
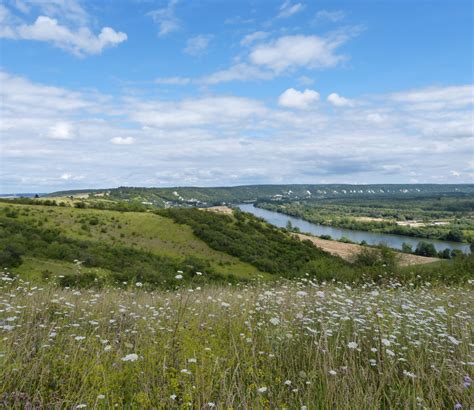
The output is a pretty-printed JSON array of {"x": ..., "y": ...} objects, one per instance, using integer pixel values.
[
  {"x": 298, "y": 99},
  {"x": 237, "y": 72},
  {"x": 339, "y": 101},
  {"x": 70, "y": 177},
  {"x": 332, "y": 16},
  {"x": 23, "y": 97},
  {"x": 222, "y": 140},
  {"x": 79, "y": 42},
  {"x": 61, "y": 131},
  {"x": 209, "y": 111},
  {"x": 436, "y": 98},
  {"x": 122, "y": 140},
  {"x": 70, "y": 10},
  {"x": 166, "y": 19},
  {"x": 173, "y": 80},
  {"x": 253, "y": 37},
  {"x": 299, "y": 51},
  {"x": 376, "y": 118},
  {"x": 288, "y": 9},
  {"x": 197, "y": 45}
]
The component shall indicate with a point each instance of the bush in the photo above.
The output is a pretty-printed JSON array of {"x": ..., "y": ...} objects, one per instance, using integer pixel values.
[
  {"x": 81, "y": 280},
  {"x": 10, "y": 257},
  {"x": 426, "y": 249}
]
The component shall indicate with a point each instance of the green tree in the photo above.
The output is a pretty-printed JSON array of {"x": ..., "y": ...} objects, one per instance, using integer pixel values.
[
  {"x": 426, "y": 249},
  {"x": 406, "y": 248}
]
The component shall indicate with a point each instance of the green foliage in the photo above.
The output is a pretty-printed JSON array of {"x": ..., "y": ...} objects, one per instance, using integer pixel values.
[
  {"x": 10, "y": 255},
  {"x": 127, "y": 264},
  {"x": 252, "y": 240},
  {"x": 425, "y": 249},
  {"x": 406, "y": 248},
  {"x": 376, "y": 258},
  {"x": 447, "y": 217}
]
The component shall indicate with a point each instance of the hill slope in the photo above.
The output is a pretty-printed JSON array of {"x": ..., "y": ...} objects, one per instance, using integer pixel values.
[{"x": 138, "y": 231}]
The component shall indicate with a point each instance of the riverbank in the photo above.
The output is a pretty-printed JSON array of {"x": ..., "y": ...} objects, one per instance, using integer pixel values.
[
  {"x": 353, "y": 235},
  {"x": 348, "y": 251}
]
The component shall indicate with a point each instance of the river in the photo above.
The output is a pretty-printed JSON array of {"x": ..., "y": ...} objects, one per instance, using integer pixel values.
[{"x": 393, "y": 241}]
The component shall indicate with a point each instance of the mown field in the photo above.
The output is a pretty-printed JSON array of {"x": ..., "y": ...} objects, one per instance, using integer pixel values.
[{"x": 298, "y": 344}]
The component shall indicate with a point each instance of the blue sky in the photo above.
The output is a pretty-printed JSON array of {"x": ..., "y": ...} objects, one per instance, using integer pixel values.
[{"x": 159, "y": 93}]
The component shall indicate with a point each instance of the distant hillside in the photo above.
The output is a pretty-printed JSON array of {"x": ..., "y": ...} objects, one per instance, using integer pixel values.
[{"x": 163, "y": 197}]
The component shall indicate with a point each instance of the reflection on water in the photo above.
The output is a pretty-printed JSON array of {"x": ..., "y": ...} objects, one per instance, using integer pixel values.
[{"x": 393, "y": 241}]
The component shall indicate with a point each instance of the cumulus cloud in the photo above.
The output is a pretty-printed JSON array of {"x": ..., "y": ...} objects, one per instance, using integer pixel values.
[
  {"x": 80, "y": 42},
  {"x": 298, "y": 51},
  {"x": 166, "y": 19},
  {"x": 222, "y": 140},
  {"x": 339, "y": 101},
  {"x": 122, "y": 140},
  {"x": 292, "y": 98},
  {"x": 288, "y": 9},
  {"x": 266, "y": 60},
  {"x": 197, "y": 45}
]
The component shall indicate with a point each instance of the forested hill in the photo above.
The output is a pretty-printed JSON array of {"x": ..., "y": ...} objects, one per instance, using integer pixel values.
[{"x": 218, "y": 195}]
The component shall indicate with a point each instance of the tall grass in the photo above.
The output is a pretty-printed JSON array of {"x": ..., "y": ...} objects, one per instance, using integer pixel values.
[{"x": 289, "y": 345}]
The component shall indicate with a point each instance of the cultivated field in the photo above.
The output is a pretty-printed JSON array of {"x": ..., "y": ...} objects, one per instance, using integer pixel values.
[{"x": 295, "y": 345}]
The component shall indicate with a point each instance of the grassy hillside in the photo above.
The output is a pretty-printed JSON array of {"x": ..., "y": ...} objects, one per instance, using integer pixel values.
[
  {"x": 144, "y": 232},
  {"x": 89, "y": 247}
]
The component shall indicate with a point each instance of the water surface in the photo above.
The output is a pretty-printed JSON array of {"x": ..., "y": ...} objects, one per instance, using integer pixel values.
[{"x": 393, "y": 241}]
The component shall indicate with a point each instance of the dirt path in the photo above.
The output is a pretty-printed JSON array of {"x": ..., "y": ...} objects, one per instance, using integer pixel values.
[{"x": 348, "y": 250}]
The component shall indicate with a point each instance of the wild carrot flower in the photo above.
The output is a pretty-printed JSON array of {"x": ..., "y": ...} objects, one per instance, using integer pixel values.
[{"x": 130, "y": 357}]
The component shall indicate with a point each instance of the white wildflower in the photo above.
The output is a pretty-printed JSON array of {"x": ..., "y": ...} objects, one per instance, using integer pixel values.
[
  {"x": 453, "y": 340},
  {"x": 130, "y": 357}
]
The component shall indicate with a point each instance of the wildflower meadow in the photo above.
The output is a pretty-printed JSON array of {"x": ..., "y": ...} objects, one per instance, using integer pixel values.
[{"x": 297, "y": 344}]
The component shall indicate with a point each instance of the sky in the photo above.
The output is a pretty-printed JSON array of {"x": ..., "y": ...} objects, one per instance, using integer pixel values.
[{"x": 99, "y": 94}]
